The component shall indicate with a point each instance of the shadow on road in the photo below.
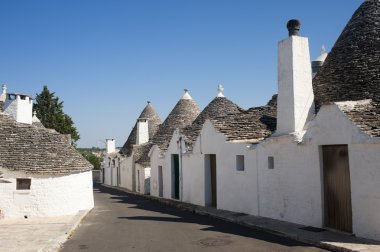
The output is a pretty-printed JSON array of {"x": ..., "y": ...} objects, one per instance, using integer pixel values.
[{"x": 181, "y": 216}]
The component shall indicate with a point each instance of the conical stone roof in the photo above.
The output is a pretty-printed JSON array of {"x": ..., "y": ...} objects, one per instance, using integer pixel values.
[
  {"x": 153, "y": 122},
  {"x": 352, "y": 69},
  {"x": 37, "y": 150},
  {"x": 182, "y": 115},
  {"x": 218, "y": 107}
]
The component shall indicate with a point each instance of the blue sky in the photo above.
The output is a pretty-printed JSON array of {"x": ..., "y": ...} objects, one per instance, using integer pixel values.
[{"x": 105, "y": 59}]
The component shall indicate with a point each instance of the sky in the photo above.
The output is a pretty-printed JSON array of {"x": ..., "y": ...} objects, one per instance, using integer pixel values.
[{"x": 106, "y": 59}]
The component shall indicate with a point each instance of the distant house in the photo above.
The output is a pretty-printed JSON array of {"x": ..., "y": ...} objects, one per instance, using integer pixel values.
[{"x": 41, "y": 173}]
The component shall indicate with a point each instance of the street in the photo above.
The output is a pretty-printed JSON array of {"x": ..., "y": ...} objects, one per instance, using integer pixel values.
[{"x": 123, "y": 222}]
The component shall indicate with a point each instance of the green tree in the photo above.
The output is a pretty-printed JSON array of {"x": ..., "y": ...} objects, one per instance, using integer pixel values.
[
  {"x": 50, "y": 112},
  {"x": 94, "y": 160}
]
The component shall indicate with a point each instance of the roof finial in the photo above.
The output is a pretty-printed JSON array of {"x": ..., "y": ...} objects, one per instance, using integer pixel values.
[
  {"x": 148, "y": 102},
  {"x": 186, "y": 96},
  {"x": 4, "y": 88},
  {"x": 323, "y": 49},
  {"x": 220, "y": 90},
  {"x": 294, "y": 27}
]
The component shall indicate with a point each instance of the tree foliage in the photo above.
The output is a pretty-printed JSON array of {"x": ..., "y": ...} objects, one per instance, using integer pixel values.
[
  {"x": 94, "y": 160},
  {"x": 50, "y": 112}
]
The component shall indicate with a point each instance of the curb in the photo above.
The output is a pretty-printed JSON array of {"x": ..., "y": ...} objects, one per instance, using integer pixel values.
[
  {"x": 203, "y": 211},
  {"x": 56, "y": 243}
]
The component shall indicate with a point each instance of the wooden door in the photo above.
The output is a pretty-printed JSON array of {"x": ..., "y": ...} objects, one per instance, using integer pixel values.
[
  {"x": 213, "y": 179},
  {"x": 160, "y": 182},
  {"x": 175, "y": 176},
  {"x": 337, "y": 188}
]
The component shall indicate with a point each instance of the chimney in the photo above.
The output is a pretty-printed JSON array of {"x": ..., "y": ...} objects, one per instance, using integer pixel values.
[
  {"x": 20, "y": 106},
  {"x": 295, "y": 92},
  {"x": 110, "y": 146},
  {"x": 142, "y": 131},
  {"x": 3, "y": 96}
]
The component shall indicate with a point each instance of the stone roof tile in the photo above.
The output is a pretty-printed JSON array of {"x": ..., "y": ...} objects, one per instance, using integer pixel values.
[
  {"x": 252, "y": 125},
  {"x": 364, "y": 114},
  {"x": 352, "y": 68},
  {"x": 37, "y": 150},
  {"x": 218, "y": 107}
]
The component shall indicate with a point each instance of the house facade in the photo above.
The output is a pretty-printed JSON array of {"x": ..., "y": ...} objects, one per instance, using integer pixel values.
[
  {"x": 310, "y": 156},
  {"x": 41, "y": 173}
]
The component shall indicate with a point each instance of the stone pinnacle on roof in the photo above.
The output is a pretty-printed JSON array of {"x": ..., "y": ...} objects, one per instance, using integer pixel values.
[
  {"x": 322, "y": 57},
  {"x": 220, "y": 90},
  {"x": 352, "y": 68},
  {"x": 186, "y": 95}
]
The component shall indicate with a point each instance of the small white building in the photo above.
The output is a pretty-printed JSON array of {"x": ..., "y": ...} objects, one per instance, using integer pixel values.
[{"x": 41, "y": 173}]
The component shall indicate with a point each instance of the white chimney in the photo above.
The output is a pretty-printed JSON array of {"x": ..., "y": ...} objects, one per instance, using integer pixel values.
[
  {"x": 110, "y": 146},
  {"x": 142, "y": 135},
  {"x": 20, "y": 106},
  {"x": 295, "y": 104}
]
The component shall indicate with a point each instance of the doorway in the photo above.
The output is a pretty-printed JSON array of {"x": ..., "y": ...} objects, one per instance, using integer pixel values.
[
  {"x": 175, "y": 176},
  {"x": 337, "y": 188},
  {"x": 160, "y": 182},
  {"x": 210, "y": 180}
]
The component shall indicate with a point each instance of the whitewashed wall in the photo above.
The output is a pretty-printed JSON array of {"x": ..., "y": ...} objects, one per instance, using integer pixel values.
[
  {"x": 47, "y": 197},
  {"x": 293, "y": 190},
  {"x": 110, "y": 164},
  {"x": 126, "y": 167},
  {"x": 155, "y": 161},
  {"x": 143, "y": 179},
  {"x": 236, "y": 190},
  {"x": 331, "y": 126}
]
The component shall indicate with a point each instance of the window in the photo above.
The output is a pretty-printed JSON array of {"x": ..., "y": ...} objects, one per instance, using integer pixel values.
[
  {"x": 239, "y": 162},
  {"x": 270, "y": 162},
  {"x": 23, "y": 184}
]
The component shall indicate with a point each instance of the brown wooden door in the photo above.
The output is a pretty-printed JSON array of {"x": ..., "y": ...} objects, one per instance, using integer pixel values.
[
  {"x": 337, "y": 188},
  {"x": 213, "y": 179}
]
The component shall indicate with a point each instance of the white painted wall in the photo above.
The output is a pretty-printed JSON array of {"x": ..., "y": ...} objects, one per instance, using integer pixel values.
[
  {"x": 331, "y": 126},
  {"x": 293, "y": 190},
  {"x": 110, "y": 164},
  {"x": 143, "y": 179},
  {"x": 236, "y": 190},
  {"x": 126, "y": 167},
  {"x": 47, "y": 197},
  {"x": 295, "y": 91}
]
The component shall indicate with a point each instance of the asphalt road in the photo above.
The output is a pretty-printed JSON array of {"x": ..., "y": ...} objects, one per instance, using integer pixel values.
[{"x": 123, "y": 222}]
